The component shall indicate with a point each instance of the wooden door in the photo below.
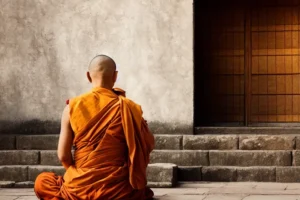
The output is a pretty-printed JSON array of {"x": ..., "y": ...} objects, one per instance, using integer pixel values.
[
  {"x": 247, "y": 68},
  {"x": 275, "y": 71}
]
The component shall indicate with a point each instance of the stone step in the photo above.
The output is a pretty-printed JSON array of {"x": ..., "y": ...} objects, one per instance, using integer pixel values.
[
  {"x": 171, "y": 142},
  {"x": 250, "y": 158},
  {"x": 178, "y": 157},
  {"x": 162, "y": 175},
  {"x": 165, "y": 175},
  {"x": 239, "y": 174},
  {"x": 49, "y": 142},
  {"x": 226, "y": 157},
  {"x": 14, "y": 184},
  {"x": 158, "y": 174},
  {"x": 262, "y": 130},
  {"x": 30, "y": 184}
]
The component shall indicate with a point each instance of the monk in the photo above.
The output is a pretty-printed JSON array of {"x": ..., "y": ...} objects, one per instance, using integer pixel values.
[{"x": 112, "y": 144}]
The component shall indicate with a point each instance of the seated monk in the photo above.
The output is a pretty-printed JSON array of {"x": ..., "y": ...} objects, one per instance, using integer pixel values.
[{"x": 112, "y": 144}]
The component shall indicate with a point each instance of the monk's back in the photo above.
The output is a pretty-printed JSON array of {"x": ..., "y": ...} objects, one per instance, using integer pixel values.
[
  {"x": 103, "y": 140},
  {"x": 101, "y": 152},
  {"x": 84, "y": 107},
  {"x": 112, "y": 144}
]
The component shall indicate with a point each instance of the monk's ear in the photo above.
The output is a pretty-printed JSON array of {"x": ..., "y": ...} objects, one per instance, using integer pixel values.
[
  {"x": 89, "y": 76},
  {"x": 115, "y": 76}
]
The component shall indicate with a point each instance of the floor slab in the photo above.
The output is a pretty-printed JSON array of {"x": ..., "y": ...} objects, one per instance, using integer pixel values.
[{"x": 199, "y": 191}]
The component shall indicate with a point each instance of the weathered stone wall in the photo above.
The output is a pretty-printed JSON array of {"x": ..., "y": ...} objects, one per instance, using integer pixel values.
[{"x": 45, "y": 48}]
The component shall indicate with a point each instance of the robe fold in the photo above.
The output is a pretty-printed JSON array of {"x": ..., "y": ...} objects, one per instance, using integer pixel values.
[{"x": 112, "y": 146}]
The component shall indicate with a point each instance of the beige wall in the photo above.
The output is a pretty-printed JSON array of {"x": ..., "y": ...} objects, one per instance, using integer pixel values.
[{"x": 45, "y": 47}]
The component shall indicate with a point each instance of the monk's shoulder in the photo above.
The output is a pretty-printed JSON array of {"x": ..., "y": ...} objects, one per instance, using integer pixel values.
[
  {"x": 132, "y": 104},
  {"x": 129, "y": 101},
  {"x": 82, "y": 97}
]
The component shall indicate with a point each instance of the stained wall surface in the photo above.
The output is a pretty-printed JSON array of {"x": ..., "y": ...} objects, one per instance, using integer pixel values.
[{"x": 45, "y": 48}]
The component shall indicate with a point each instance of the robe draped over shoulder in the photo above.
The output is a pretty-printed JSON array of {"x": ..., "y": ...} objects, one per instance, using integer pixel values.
[{"x": 112, "y": 147}]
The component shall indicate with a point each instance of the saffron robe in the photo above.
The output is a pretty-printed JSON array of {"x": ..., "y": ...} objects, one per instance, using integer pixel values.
[{"x": 112, "y": 146}]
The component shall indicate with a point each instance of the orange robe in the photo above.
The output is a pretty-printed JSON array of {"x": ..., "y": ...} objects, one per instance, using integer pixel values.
[{"x": 112, "y": 146}]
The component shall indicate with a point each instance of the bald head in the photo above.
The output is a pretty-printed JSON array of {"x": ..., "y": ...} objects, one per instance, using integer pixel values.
[
  {"x": 102, "y": 70},
  {"x": 102, "y": 63}
]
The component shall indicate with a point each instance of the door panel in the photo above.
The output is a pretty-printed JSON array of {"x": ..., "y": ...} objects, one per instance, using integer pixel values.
[
  {"x": 247, "y": 62},
  {"x": 275, "y": 64}
]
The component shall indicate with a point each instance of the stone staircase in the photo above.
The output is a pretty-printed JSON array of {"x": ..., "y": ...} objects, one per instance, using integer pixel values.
[{"x": 213, "y": 157}]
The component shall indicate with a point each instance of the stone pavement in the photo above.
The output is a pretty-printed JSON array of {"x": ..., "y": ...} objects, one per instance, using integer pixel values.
[{"x": 200, "y": 191}]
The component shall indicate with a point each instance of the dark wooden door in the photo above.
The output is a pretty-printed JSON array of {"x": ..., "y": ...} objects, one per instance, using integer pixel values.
[
  {"x": 247, "y": 62},
  {"x": 275, "y": 72}
]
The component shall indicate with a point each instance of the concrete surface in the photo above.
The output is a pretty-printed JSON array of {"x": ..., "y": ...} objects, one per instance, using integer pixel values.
[
  {"x": 46, "y": 48},
  {"x": 200, "y": 191}
]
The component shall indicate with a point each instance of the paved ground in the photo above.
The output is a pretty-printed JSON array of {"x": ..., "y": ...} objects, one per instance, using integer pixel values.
[{"x": 200, "y": 191}]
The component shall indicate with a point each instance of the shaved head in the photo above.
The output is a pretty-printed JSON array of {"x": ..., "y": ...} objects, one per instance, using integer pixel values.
[
  {"x": 102, "y": 63},
  {"x": 102, "y": 69}
]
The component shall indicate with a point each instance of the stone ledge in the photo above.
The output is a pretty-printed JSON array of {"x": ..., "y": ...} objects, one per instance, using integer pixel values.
[
  {"x": 30, "y": 184},
  {"x": 216, "y": 173},
  {"x": 288, "y": 174},
  {"x": 267, "y": 142},
  {"x": 173, "y": 142},
  {"x": 170, "y": 142},
  {"x": 7, "y": 142},
  {"x": 49, "y": 157},
  {"x": 180, "y": 157},
  {"x": 256, "y": 174},
  {"x": 23, "y": 176},
  {"x": 247, "y": 130},
  {"x": 250, "y": 158},
  {"x": 7, "y": 184},
  {"x": 39, "y": 142},
  {"x": 165, "y": 128},
  {"x": 162, "y": 172},
  {"x": 160, "y": 184},
  {"x": 210, "y": 142},
  {"x": 19, "y": 157},
  {"x": 34, "y": 171},
  {"x": 14, "y": 173},
  {"x": 189, "y": 173},
  {"x": 25, "y": 184},
  {"x": 29, "y": 127},
  {"x": 239, "y": 174},
  {"x": 158, "y": 173}
]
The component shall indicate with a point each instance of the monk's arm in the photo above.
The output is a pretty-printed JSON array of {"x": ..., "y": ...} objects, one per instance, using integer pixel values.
[{"x": 64, "y": 150}]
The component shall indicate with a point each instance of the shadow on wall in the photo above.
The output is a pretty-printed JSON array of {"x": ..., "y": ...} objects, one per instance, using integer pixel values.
[
  {"x": 172, "y": 129},
  {"x": 31, "y": 127}
]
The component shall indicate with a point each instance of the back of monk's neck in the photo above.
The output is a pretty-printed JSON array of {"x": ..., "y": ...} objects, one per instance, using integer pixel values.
[{"x": 103, "y": 87}]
